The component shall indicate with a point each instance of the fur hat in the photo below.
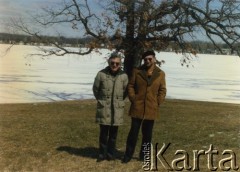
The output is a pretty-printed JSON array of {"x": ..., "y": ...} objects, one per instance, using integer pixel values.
[{"x": 147, "y": 53}]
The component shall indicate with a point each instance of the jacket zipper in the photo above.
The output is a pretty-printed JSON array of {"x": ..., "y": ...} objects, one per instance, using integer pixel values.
[{"x": 114, "y": 79}]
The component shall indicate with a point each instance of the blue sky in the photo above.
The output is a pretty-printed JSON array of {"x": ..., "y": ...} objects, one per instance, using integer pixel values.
[
  {"x": 19, "y": 8},
  {"x": 22, "y": 8}
]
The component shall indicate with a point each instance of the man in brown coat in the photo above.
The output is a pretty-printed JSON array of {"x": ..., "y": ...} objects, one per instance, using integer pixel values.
[{"x": 146, "y": 91}]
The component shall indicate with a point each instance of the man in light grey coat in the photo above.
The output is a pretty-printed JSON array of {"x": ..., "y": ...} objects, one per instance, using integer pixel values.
[{"x": 109, "y": 89}]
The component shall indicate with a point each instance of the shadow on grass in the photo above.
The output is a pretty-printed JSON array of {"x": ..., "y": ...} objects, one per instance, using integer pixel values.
[{"x": 90, "y": 152}]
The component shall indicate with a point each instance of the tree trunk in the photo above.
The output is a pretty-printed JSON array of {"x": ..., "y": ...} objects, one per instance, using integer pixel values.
[
  {"x": 130, "y": 44},
  {"x": 132, "y": 57}
]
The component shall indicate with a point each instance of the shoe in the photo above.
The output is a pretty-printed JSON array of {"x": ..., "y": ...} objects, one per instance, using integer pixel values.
[
  {"x": 100, "y": 158},
  {"x": 125, "y": 160}
]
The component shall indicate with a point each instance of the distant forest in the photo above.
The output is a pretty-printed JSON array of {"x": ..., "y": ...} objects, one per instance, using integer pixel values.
[
  {"x": 26, "y": 40},
  {"x": 5, "y": 38}
]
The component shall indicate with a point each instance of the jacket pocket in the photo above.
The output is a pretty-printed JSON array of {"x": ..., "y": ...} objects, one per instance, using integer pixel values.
[
  {"x": 132, "y": 98},
  {"x": 101, "y": 103},
  {"x": 101, "y": 108},
  {"x": 121, "y": 104}
]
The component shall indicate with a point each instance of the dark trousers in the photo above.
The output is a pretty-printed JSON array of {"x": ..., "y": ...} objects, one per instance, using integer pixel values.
[
  {"x": 147, "y": 126},
  {"x": 107, "y": 139}
]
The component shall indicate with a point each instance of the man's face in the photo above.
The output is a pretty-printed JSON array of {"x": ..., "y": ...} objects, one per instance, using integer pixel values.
[
  {"x": 114, "y": 64},
  {"x": 149, "y": 60}
]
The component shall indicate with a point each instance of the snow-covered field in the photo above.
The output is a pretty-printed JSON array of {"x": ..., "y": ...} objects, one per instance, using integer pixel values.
[{"x": 213, "y": 78}]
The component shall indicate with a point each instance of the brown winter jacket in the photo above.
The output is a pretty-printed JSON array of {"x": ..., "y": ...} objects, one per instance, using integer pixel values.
[{"x": 146, "y": 94}]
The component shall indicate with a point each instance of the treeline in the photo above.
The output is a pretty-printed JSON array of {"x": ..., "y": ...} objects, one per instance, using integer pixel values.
[
  {"x": 26, "y": 40},
  {"x": 208, "y": 47},
  {"x": 198, "y": 46}
]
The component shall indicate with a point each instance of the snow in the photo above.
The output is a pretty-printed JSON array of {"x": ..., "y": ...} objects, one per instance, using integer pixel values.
[{"x": 23, "y": 79}]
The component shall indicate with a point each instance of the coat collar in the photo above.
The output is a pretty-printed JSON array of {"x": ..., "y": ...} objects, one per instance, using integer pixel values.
[
  {"x": 107, "y": 70},
  {"x": 155, "y": 74}
]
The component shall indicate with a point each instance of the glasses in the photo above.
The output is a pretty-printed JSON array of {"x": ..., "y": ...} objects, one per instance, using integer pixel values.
[
  {"x": 114, "y": 63},
  {"x": 147, "y": 59}
]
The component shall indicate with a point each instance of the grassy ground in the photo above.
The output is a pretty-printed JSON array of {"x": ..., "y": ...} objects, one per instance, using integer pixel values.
[{"x": 63, "y": 136}]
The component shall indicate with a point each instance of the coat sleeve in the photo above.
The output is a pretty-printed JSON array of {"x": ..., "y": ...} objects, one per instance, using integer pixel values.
[
  {"x": 96, "y": 86},
  {"x": 125, "y": 83},
  {"x": 131, "y": 86},
  {"x": 162, "y": 89}
]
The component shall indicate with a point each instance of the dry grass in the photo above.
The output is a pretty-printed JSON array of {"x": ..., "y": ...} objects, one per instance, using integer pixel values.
[{"x": 63, "y": 136}]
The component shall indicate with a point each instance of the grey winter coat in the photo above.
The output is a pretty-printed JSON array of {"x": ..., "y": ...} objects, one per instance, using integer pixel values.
[{"x": 110, "y": 92}]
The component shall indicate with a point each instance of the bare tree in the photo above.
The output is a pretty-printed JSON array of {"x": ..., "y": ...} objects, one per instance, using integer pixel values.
[{"x": 137, "y": 25}]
